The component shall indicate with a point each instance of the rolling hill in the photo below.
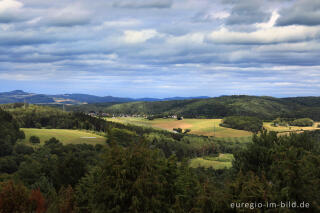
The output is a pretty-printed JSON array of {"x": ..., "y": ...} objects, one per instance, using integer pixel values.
[
  {"x": 263, "y": 107},
  {"x": 19, "y": 96}
]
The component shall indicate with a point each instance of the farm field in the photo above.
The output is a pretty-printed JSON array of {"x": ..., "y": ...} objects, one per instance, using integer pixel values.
[
  {"x": 66, "y": 136},
  {"x": 220, "y": 162},
  {"x": 282, "y": 129},
  {"x": 207, "y": 127}
]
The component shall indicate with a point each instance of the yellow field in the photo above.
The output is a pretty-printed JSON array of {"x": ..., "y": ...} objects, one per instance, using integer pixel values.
[
  {"x": 66, "y": 136},
  {"x": 221, "y": 162},
  {"x": 207, "y": 127}
]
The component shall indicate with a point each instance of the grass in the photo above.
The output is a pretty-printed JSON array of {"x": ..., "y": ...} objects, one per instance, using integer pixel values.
[
  {"x": 287, "y": 129},
  {"x": 66, "y": 136},
  {"x": 221, "y": 162},
  {"x": 207, "y": 127}
]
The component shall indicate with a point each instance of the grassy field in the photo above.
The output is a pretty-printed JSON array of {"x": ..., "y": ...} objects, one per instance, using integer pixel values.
[
  {"x": 208, "y": 127},
  {"x": 283, "y": 129},
  {"x": 220, "y": 162},
  {"x": 66, "y": 136}
]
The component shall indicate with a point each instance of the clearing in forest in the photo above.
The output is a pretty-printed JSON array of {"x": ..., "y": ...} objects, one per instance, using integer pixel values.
[
  {"x": 220, "y": 162},
  {"x": 66, "y": 136},
  {"x": 207, "y": 127}
]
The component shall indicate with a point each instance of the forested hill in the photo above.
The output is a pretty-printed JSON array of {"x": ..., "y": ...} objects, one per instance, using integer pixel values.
[
  {"x": 19, "y": 96},
  {"x": 259, "y": 106}
]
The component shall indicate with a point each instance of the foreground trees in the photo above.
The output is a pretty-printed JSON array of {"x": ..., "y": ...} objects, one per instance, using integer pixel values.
[
  {"x": 135, "y": 179},
  {"x": 138, "y": 179},
  {"x": 17, "y": 198},
  {"x": 285, "y": 168},
  {"x": 143, "y": 171}
]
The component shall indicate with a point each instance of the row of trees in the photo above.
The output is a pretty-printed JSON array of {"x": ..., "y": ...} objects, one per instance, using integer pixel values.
[
  {"x": 302, "y": 122},
  {"x": 248, "y": 123},
  {"x": 293, "y": 122}
]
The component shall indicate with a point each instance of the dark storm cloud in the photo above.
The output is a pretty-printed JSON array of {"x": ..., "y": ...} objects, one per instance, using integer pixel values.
[{"x": 302, "y": 12}]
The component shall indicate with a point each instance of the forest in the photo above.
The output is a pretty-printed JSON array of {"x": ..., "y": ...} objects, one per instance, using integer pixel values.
[
  {"x": 146, "y": 170},
  {"x": 248, "y": 123},
  {"x": 263, "y": 107}
]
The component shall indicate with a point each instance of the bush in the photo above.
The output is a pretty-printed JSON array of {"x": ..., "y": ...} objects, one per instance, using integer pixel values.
[
  {"x": 178, "y": 130},
  {"x": 34, "y": 139},
  {"x": 23, "y": 149},
  {"x": 6, "y": 148},
  {"x": 281, "y": 122},
  {"x": 8, "y": 165},
  {"x": 21, "y": 135},
  {"x": 302, "y": 122},
  {"x": 38, "y": 125}
]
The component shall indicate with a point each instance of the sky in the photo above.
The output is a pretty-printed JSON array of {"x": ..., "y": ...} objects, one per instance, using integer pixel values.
[{"x": 161, "y": 48}]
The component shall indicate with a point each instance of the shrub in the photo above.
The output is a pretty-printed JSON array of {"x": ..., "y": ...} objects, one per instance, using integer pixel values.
[
  {"x": 34, "y": 139},
  {"x": 178, "y": 130},
  {"x": 23, "y": 149},
  {"x": 302, "y": 122}
]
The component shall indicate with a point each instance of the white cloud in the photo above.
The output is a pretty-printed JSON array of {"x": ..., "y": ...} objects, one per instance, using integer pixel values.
[
  {"x": 69, "y": 16},
  {"x": 291, "y": 47},
  {"x": 119, "y": 24},
  {"x": 265, "y": 36},
  {"x": 273, "y": 19},
  {"x": 220, "y": 15},
  {"x": 211, "y": 16},
  {"x": 241, "y": 54},
  {"x": 11, "y": 11},
  {"x": 133, "y": 36},
  {"x": 9, "y": 5},
  {"x": 192, "y": 38},
  {"x": 143, "y": 4}
]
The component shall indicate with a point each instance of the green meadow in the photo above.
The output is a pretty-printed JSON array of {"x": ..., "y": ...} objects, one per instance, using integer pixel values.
[
  {"x": 207, "y": 127},
  {"x": 66, "y": 136},
  {"x": 220, "y": 162}
]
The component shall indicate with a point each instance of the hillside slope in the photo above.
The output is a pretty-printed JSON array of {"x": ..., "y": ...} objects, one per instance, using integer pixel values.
[
  {"x": 264, "y": 107},
  {"x": 19, "y": 96}
]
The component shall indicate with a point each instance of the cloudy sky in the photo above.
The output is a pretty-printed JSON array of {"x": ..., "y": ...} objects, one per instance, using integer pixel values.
[{"x": 161, "y": 48}]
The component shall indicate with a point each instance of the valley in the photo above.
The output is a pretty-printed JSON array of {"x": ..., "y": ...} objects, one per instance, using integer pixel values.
[{"x": 90, "y": 148}]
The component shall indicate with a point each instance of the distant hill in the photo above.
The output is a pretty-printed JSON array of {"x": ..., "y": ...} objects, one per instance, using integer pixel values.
[
  {"x": 267, "y": 108},
  {"x": 264, "y": 107},
  {"x": 19, "y": 96}
]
